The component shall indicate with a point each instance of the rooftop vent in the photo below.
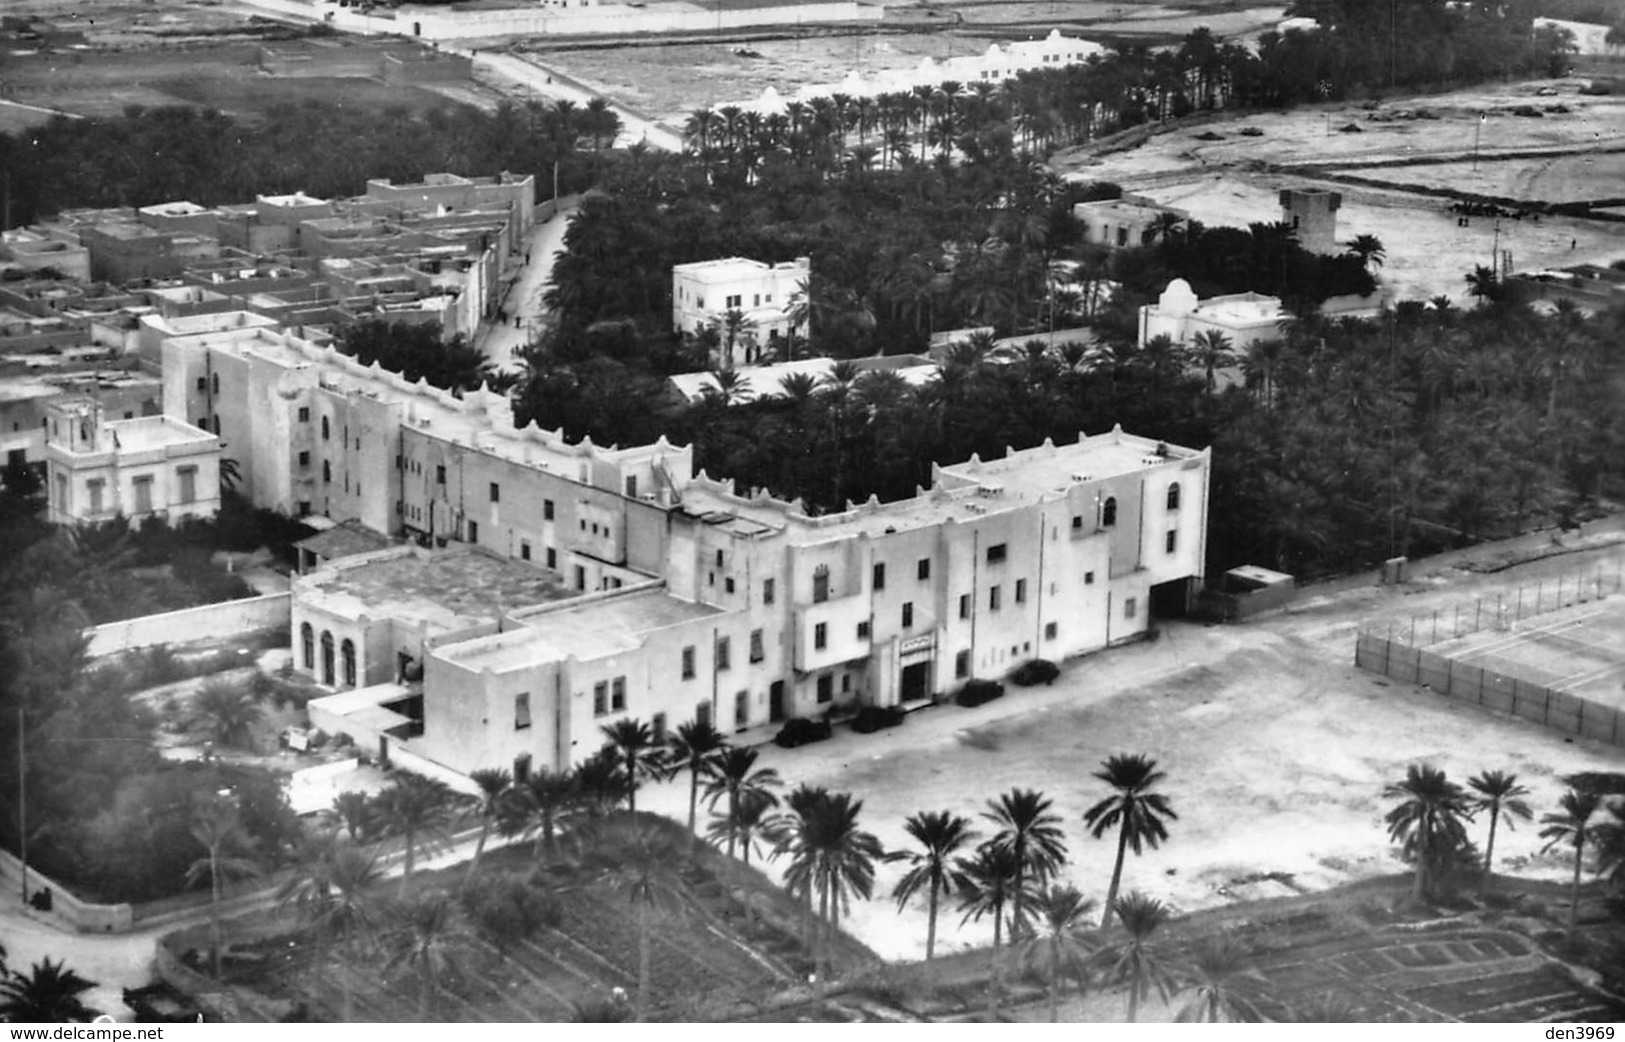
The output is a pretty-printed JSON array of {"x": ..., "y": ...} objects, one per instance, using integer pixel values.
[
  {"x": 990, "y": 490},
  {"x": 1080, "y": 478}
]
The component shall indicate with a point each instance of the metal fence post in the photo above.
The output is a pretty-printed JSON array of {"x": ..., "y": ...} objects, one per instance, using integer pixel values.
[
  {"x": 1478, "y": 616},
  {"x": 1456, "y": 629},
  {"x": 1519, "y": 617},
  {"x": 1435, "y": 639}
]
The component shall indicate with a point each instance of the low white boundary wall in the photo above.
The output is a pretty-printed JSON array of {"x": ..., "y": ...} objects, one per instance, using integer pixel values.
[{"x": 204, "y": 622}]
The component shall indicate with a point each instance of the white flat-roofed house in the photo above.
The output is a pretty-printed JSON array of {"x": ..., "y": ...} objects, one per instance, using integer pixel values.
[
  {"x": 151, "y": 466},
  {"x": 705, "y": 292}
]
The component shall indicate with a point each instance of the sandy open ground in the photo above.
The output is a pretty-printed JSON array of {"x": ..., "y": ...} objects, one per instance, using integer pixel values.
[{"x": 1276, "y": 748}]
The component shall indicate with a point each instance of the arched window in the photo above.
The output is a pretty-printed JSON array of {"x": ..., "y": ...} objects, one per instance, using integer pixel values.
[
  {"x": 1108, "y": 512},
  {"x": 307, "y": 641},
  {"x": 327, "y": 472},
  {"x": 327, "y": 658},
  {"x": 347, "y": 654},
  {"x": 325, "y": 432},
  {"x": 1173, "y": 496}
]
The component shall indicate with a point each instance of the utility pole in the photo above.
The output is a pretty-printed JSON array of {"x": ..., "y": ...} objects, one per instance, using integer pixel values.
[{"x": 22, "y": 805}]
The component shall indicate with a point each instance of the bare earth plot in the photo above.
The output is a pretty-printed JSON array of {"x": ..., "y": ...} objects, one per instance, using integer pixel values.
[{"x": 1276, "y": 750}]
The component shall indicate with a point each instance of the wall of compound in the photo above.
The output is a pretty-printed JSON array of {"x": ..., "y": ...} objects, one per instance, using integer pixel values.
[{"x": 230, "y": 619}]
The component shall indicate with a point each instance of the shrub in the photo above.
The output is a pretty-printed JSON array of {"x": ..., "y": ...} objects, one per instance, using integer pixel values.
[{"x": 508, "y": 910}]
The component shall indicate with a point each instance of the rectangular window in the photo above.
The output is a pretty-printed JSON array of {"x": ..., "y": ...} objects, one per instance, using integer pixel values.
[
  {"x": 728, "y": 584},
  {"x": 880, "y": 577},
  {"x": 1077, "y": 522},
  {"x": 552, "y": 558},
  {"x": 723, "y": 655},
  {"x": 304, "y": 459},
  {"x": 964, "y": 606},
  {"x": 524, "y": 550},
  {"x": 1131, "y": 607},
  {"x": 826, "y": 688},
  {"x": 496, "y": 492},
  {"x": 863, "y": 630},
  {"x": 821, "y": 584},
  {"x": 820, "y": 636},
  {"x": 1050, "y": 629},
  {"x": 993, "y": 598},
  {"x": 547, "y": 510},
  {"x": 688, "y": 662},
  {"x": 742, "y": 709},
  {"x": 617, "y": 694},
  {"x": 908, "y": 614},
  {"x": 600, "y": 698},
  {"x": 304, "y": 414},
  {"x": 188, "y": 476},
  {"x": 473, "y": 531},
  {"x": 922, "y": 571},
  {"x": 521, "y": 711},
  {"x": 203, "y": 383},
  {"x": 1021, "y": 591},
  {"x": 756, "y": 653},
  {"x": 996, "y": 553},
  {"x": 440, "y": 474},
  {"x": 719, "y": 558},
  {"x": 1088, "y": 578},
  {"x": 96, "y": 486},
  {"x": 767, "y": 591},
  {"x": 143, "y": 494},
  {"x": 658, "y": 726},
  {"x": 1172, "y": 541},
  {"x": 631, "y": 486},
  {"x": 962, "y": 665}
]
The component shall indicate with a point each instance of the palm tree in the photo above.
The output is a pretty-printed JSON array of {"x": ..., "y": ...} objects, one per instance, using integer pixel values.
[
  {"x": 939, "y": 835},
  {"x": 1136, "y": 810},
  {"x": 1571, "y": 826},
  {"x": 218, "y": 827},
  {"x": 1369, "y": 249},
  {"x": 830, "y": 856},
  {"x": 1225, "y": 985},
  {"x": 48, "y": 994},
  {"x": 431, "y": 938},
  {"x": 355, "y": 810},
  {"x": 1609, "y": 839},
  {"x": 735, "y": 773},
  {"x": 695, "y": 745},
  {"x": 330, "y": 891},
  {"x": 640, "y": 756},
  {"x": 1428, "y": 821},
  {"x": 493, "y": 782},
  {"x": 1029, "y": 830},
  {"x": 1058, "y": 941},
  {"x": 1501, "y": 795},
  {"x": 1130, "y": 960},
  {"x": 749, "y": 820},
  {"x": 539, "y": 806},
  {"x": 641, "y": 862},
  {"x": 990, "y": 886},
  {"x": 1212, "y": 349},
  {"x": 417, "y": 809},
  {"x": 227, "y": 713}
]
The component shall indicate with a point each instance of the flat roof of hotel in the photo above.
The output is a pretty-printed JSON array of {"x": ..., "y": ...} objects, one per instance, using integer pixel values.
[
  {"x": 591, "y": 630},
  {"x": 447, "y": 589},
  {"x": 156, "y": 432}
]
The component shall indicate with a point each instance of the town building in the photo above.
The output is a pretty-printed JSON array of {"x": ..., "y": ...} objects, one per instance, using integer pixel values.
[
  {"x": 1242, "y": 318},
  {"x": 1311, "y": 213},
  {"x": 749, "y": 303},
  {"x": 25, "y": 399},
  {"x": 1131, "y": 220},
  {"x": 148, "y": 467}
]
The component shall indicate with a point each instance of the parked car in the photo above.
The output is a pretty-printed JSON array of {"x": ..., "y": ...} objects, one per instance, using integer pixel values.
[
  {"x": 872, "y": 718},
  {"x": 1036, "y": 671},
  {"x": 975, "y": 692},
  {"x": 800, "y": 731}
]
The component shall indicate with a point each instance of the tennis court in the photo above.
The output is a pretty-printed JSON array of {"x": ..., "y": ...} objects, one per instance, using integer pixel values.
[{"x": 1579, "y": 650}]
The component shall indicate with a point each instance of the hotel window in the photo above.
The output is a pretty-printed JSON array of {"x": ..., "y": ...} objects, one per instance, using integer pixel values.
[
  {"x": 756, "y": 653},
  {"x": 735, "y": 300},
  {"x": 922, "y": 571},
  {"x": 1077, "y": 522},
  {"x": 728, "y": 584},
  {"x": 631, "y": 486},
  {"x": 688, "y": 662},
  {"x": 307, "y": 643},
  {"x": 524, "y": 550},
  {"x": 473, "y": 531},
  {"x": 964, "y": 606},
  {"x": 742, "y": 709},
  {"x": 1173, "y": 496},
  {"x": 547, "y": 510},
  {"x": 863, "y": 630},
  {"x": 908, "y": 614},
  {"x": 143, "y": 494},
  {"x": 304, "y": 414},
  {"x": 96, "y": 486},
  {"x": 962, "y": 665},
  {"x": 658, "y": 725},
  {"x": 1131, "y": 607},
  {"x": 304, "y": 458},
  {"x": 521, "y": 711},
  {"x": 326, "y": 431},
  {"x": 1088, "y": 578},
  {"x": 996, "y": 553},
  {"x": 1050, "y": 629},
  {"x": 188, "y": 476},
  {"x": 826, "y": 688},
  {"x": 723, "y": 656},
  {"x": 552, "y": 558},
  {"x": 820, "y": 636},
  {"x": 880, "y": 577},
  {"x": 347, "y": 658},
  {"x": 767, "y": 591},
  {"x": 216, "y": 382},
  {"x": 440, "y": 474},
  {"x": 203, "y": 383},
  {"x": 327, "y": 472},
  {"x": 821, "y": 584},
  {"x": 617, "y": 694},
  {"x": 496, "y": 492},
  {"x": 1021, "y": 591},
  {"x": 993, "y": 598},
  {"x": 600, "y": 698},
  {"x": 1172, "y": 541},
  {"x": 581, "y": 577},
  {"x": 1108, "y": 512}
]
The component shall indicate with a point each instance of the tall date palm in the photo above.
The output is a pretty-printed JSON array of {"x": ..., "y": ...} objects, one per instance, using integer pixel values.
[
  {"x": 1136, "y": 810},
  {"x": 932, "y": 868}
]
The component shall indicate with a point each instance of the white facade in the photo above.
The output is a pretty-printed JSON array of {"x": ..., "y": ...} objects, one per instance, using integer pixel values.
[
  {"x": 1244, "y": 318},
  {"x": 137, "y": 469},
  {"x": 1127, "y": 222},
  {"x": 703, "y": 293}
]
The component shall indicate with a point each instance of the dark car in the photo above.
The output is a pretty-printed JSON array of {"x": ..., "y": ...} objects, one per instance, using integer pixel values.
[
  {"x": 872, "y": 718},
  {"x": 800, "y": 731},
  {"x": 1036, "y": 671},
  {"x": 975, "y": 692}
]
